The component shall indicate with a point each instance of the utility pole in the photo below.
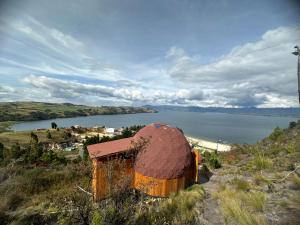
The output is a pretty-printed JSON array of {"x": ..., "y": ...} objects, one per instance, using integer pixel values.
[{"x": 297, "y": 53}]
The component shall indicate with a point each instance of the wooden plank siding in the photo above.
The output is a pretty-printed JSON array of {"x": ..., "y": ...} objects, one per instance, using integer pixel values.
[
  {"x": 158, "y": 187},
  {"x": 109, "y": 175},
  {"x": 112, "y": 173}
]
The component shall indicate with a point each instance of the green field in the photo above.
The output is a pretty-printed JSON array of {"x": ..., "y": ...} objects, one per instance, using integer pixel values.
[
  {"x": 11, "y": 112},
  {"x": 23, "y": 137}
]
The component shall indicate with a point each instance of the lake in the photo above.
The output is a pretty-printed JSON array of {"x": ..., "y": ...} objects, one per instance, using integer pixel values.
[{"x": 231, "y": 128}]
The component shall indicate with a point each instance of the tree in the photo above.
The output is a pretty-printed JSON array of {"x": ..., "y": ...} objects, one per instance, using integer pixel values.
[
  {"x": 15, "y": 151},
  {"x": 292, "y": 124},
  {"x": 53, "y": 125},
  {"x": 35, "y": 149},
  {"x": 85, "y": 154},
  {"x": 34, "y": 137},
  {"x": 126, "y": 133},
  {"x": 1, "y": 151},
  {"x": 49, "y": 135}
]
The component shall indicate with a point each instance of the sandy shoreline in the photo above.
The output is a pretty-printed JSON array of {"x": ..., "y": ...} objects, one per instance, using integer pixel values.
[{"x": 209, "y": 145}]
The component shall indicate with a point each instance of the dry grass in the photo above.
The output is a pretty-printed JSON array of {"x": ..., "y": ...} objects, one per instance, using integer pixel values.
[
  {"x": 178, "y": 209},
  {"x": 241, "y": 184},
  {"x": 261, "y": 162},
  {"x": 259, "y": 179},
  {"x": 242, "y": 208},
  {"x": 255, "y": 199},
  {"x": 296, "y": 181}
]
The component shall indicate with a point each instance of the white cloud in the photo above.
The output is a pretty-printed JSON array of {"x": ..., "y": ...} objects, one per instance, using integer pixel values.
[
  {"x": 261, "y": 73},
  {"x": 253, "y": 74},
  {"x": 75, "y": 91},
  {"x": 51, "y": 51}
]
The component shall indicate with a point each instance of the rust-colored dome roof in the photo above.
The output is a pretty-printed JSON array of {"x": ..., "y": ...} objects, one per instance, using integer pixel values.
[{"x": 167, "y": 154}]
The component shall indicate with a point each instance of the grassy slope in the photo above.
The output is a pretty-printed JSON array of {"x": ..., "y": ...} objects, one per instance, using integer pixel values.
[
  {"x": 29, "y": 111},
  {"x": 252, "y": 187}
]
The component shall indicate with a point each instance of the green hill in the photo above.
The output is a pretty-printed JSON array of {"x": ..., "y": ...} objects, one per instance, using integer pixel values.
[{"x": 30, "y": 111}]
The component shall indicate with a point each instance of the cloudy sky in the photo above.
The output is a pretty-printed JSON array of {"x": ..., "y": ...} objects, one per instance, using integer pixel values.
[{"x": 231, "y": 53}]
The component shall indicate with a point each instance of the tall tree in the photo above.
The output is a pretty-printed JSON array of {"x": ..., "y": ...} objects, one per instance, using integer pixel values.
[{"x": 53, "y": 125}]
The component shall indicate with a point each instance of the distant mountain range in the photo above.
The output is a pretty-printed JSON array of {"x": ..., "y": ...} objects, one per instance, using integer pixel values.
[{"x": 292, "y": 112}]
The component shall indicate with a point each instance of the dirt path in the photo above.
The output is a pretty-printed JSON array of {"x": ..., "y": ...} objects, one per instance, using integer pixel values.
[{"x": 211, "y": 214}]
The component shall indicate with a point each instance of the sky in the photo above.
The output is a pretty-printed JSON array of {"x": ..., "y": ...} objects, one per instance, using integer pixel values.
[{"x": 225, "y": 53}]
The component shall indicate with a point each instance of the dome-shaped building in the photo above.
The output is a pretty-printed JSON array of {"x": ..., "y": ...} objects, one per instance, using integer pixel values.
[
  {"x": 167, "y": 163},
  {"x": 163, "y": 162}
]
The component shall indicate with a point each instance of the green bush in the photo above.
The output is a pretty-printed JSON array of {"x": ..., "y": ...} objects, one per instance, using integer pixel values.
[
  {"x": 214, "y": 160},
  {"x": 53, "y": 158},
  {"x": 277, "y": 133},
  {"x": 292, "y": 124}
]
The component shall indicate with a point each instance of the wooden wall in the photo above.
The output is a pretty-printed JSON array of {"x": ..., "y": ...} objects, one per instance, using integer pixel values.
[
  {"x": 158, "y": 187},
  {"x": 109, "y": 175},
  {"x": 112, "y": 173}
]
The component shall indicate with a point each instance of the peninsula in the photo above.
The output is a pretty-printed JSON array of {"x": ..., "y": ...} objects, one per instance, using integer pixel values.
[{"x": 11, "y": 112}]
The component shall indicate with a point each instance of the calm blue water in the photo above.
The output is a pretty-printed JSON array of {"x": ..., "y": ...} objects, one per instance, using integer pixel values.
[{"x": 211, "y": 126}]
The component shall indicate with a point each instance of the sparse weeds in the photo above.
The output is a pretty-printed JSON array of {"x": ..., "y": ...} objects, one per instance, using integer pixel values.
[
  {"x": 255, "y": 199},
  {"x": 259, "y": 179},
  {"x": 177, "y": 209},
  {"x": 261, "y": 162},
  {"x": 241, "y": 184},
  {"x": 296, "y": 181},
  {"x": 243, "y": 208}
]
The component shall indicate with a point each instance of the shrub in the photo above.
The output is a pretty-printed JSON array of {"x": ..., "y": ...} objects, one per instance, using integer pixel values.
[
  {"x": 290, "y": 148},
  {"x": 277, "y": 133},
  {"x": 260, "y": 179},
  {"x": 213, "y": 159},
  {"x": 232, "y": 208},
  {"x": 241, "y": 184},
  {"x": 256, "y": 199},
  {"x": 34, "y": 181},
  {"x": 13, "y": 200},
  {"x": 177, "y": 209},
  {"x": 261, "y": 162},
  {"x": 296, "y": 181},
  {"x": 292, "y": 124},
  {"x": 96, "y": 219}
]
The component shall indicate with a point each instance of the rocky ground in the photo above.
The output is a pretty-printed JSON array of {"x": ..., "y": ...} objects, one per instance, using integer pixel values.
[{"x": 236, "y": 194}]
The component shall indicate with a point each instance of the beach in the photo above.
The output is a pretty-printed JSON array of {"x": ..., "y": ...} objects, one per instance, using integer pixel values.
[{"x": 209, "y": 145}]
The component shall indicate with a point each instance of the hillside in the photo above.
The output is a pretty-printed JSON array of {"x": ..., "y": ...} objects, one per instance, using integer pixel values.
[
  {"x": 291, "y": 112},
  {"x": 251, "y": 185},
  {"x": 257, "y": 184},
  {"x": 30, "y": 111}
]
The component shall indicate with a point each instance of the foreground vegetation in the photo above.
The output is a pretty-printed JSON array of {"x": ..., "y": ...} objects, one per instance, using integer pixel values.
[
  {"x": 30, "y": 111},
  {"x": 259, "y": 184},
  {"x": 252, "y": 184}
]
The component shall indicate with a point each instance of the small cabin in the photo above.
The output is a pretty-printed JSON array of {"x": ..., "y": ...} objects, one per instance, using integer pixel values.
[{"x": 157, "y": 160}]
